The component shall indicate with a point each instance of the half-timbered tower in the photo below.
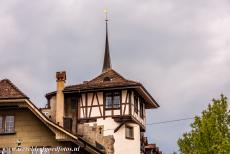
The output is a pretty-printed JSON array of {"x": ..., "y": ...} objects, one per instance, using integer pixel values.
[{"x": 109, "y": 100}]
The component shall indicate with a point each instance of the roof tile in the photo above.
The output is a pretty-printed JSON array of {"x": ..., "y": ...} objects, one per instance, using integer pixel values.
[
  {"x": 108, "y": 79},
  {"x": 9, "y": 90}
]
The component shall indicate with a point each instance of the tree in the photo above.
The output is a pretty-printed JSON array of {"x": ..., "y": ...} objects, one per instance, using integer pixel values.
[{"x": 210, "y": 133}]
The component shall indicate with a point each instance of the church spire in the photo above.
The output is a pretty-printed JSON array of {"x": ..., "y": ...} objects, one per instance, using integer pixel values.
[{"x": 107, "y": 60}]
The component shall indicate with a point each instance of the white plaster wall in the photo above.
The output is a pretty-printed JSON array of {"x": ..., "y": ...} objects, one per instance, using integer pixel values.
[
  {"x": 127, "y": 146},
  {"x": 100, "y": 97},
  {"x": 121, "y": 145},
  {"x": 95, "y": 110},
  {"x": 124, "y": 93},
  {"x": 117, "y": 112},
  {"x": 137, "y": 115}
]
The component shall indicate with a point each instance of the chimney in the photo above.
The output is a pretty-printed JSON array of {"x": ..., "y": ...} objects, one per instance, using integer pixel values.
[{"x": 61, "y": 78}]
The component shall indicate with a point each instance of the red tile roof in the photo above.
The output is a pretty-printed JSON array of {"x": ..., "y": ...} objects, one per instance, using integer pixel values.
[
  {"x": 108, "y": 79},
  {"x": 9, "y": 90}
]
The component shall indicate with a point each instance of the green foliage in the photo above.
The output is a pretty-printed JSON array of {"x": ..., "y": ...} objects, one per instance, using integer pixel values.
[{"x": 210, "y": 133}]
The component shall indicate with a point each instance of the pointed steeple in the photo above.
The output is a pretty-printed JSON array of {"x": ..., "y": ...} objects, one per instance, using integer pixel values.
[{"x": 107, "y": 60}]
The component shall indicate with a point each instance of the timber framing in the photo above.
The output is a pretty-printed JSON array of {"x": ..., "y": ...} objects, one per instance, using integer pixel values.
[
  {"x": 90, "y": 102},
  {"x": 125, "y": 119}
]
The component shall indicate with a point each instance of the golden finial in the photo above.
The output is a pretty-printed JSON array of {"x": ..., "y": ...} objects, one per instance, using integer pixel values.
[{"x": 106, "y": 14}]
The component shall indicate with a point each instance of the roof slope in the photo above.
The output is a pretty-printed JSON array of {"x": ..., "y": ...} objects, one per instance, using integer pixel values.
[
  {"x": 108, "y": 79},
  {"x": 9, "y": 90}
]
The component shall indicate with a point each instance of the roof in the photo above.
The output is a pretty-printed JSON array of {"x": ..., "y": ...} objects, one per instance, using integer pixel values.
[
  {"x": 108, "y": 79},
  {"x": 9, "y": 90}
]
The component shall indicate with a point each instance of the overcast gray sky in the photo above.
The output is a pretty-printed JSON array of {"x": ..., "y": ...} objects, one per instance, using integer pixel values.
[{"x": 179, "y": 50}]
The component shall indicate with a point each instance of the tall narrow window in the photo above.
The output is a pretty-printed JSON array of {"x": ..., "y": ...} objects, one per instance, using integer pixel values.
[
  {"x": 108, "y": 100},
  {"x": 1, "y": 124},
  {"x": 73, "y": 104},
  {"x": 142, "y": 109},
  {"x": 7, "y": 124},
  {"x": 129, "y": 132},
  {"x": 68, "y": 124},
  {"x": 116, "y": 100},
  {"x": 135, "y": 103},
  {"x": 112, "y": 100}
]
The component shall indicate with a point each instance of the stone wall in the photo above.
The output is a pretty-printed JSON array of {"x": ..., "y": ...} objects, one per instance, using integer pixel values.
[{"x": 95, "y": 134}]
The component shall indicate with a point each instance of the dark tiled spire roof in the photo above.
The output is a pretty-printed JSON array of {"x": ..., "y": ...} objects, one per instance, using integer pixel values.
[
  {"x": 9, "y": 90},
  {"x": 107, "y": 60}
]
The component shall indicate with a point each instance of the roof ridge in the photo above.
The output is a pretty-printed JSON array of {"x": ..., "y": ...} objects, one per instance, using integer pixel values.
[{"x": 105, "y": 73}]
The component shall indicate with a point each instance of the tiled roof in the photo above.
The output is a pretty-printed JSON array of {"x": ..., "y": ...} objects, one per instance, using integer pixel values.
[
  {"x": 108, "y": 79},
  {"x": 9, "y": 90}
]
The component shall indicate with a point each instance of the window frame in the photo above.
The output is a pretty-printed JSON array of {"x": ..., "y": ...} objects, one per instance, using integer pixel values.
[
  {"x": 73, "y": 104},
  {"x": 113, "y": 105},
  {"x": 9, "y": 124},
  {"x": 1, "y": 124},
  {"x": 68, "y": 124},
  {"x": 4, "y": 126},
  {"x": 142, "y": 108},
  {"x": 131, "y": 129},
  {"x": 135, "y": 103}
]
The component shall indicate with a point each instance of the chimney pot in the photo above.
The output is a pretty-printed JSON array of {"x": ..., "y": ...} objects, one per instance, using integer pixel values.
[{"x": 61, "y": 76}]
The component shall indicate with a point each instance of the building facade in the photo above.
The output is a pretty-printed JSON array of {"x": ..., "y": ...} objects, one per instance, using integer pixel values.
[
  {"x": 109, "y": 101},
  {"x": 106, "y": 114},
  {"x": 25, "y": 129}
]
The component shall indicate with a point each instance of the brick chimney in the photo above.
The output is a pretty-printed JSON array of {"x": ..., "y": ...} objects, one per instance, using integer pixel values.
[{"x": 61, "y": 78}]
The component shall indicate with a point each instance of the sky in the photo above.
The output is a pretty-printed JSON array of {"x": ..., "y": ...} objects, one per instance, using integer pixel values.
[{"x": 178, "y": 49}]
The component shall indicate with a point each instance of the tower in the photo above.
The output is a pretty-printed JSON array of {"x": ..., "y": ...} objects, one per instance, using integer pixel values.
[{"x": 109, "y": 100}]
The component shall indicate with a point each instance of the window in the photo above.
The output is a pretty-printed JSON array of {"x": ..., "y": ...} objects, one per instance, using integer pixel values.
[
  {"x": 107, "y": 79},
  {"x": 129, "y": 132},
  {"x": 116, "y": 100},
  {"x": 112, "y": 100},
  {"x": 40, "y": 150},
  {"x": 5, "y": 151},
  {"x": 68, "y": 124},
  {"x": 7, "y": 124},
  {"x": 1, "y": 124},
  {"x": 142, "y": 109},
  {"x": 135, "y": 103},
  {"x": 73, "y": 104}
]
